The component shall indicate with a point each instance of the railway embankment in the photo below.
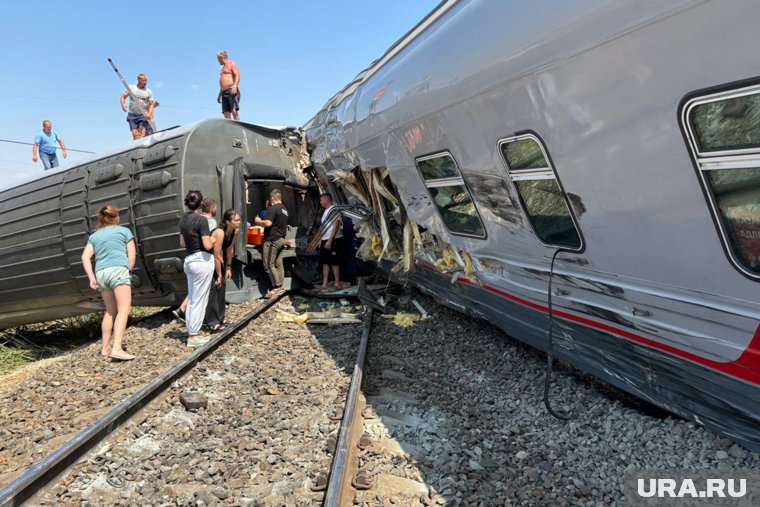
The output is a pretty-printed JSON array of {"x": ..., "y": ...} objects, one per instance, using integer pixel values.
[{"x": 454, "y": 417}]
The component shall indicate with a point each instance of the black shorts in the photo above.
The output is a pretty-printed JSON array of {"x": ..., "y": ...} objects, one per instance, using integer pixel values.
[
  {"x": 230, "y": 102},
  {"x": 137, "y": 121},
  {"x": 333, "y": 256}
]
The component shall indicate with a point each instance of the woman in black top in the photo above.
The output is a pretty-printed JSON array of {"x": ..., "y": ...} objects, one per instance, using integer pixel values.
[
  {"x": 196, "y": 238},
  {"x": 224, "y": 246}
]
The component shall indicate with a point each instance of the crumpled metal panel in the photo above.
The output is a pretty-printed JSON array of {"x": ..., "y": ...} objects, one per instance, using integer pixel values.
[{"x": 329, "y": 143}]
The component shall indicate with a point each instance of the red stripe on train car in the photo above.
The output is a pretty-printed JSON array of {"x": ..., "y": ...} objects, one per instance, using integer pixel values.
[{"x": 746, "y": 367}]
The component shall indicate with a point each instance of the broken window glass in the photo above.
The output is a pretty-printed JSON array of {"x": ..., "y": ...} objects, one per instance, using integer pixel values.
[
  {"x": 438, "y": 168},
  {"x": 548, "y": 212},
  {"x": 543, "y": 199},
  {"x": 737, "y": 192},
  {"x": 725, "y": 128},
  {"x": 728, "y": 124},
  {"x": 450, "y": 195},
  {"x": 524, "y": 154},
  {"x": 457, "y": 210}
]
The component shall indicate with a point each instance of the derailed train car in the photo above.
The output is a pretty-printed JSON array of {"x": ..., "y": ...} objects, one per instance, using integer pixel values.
[
  {"x": 589, "y": 168},
  {"x": 44, "y": 224}
]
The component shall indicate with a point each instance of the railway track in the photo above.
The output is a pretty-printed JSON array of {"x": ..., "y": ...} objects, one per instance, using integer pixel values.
[
  {"x": 38, "y": 475},
  {"x": 452, "y": 415},
  {"x": 92, "y": 460}
]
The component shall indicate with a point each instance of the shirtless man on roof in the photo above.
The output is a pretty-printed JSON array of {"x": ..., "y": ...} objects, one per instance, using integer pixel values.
[{"x": 229, "y": 79}]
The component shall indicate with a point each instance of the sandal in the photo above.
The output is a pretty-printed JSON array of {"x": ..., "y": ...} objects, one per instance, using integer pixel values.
[
  {"x": 121, "y": 357},
  {"x": 218, "y": 328}
]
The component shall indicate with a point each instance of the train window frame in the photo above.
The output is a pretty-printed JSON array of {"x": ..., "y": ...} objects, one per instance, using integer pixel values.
[
  {"x": 547, "y": 172},
  {"x": 447, "y": 182},
  {"x": 707, "y": 161}
]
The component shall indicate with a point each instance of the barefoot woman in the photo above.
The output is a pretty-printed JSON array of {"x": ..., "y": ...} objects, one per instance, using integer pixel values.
[{"x": 114, "y": 249}]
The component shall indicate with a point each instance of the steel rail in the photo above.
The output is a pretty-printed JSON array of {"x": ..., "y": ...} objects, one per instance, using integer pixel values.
[
  {"x": 337, "y": 482},
  {"x": 43, "y": 472}
]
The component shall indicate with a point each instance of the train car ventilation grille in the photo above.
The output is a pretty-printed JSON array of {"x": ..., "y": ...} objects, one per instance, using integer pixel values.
[
  {"x": 109, "y": 172},
  {"x": 155, "y": 180},
  {"x": 158, "y": 154}
]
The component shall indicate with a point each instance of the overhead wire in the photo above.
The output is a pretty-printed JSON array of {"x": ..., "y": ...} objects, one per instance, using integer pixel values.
[
  {"x": 32, "y": 144},
  {"x": 91, "y": 101}
]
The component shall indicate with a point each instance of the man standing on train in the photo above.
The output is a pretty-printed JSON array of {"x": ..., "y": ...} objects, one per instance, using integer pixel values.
[
  {"x": 140, "y": 111},
  {"x": 229, "y": 79},
  {"x": 44, "y": 143}
]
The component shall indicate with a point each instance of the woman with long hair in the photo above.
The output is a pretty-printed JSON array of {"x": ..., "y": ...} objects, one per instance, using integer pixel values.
[
  {"x": 195, "y": 238},
  {"x": 113, "y": 247},
  {"x": 224, "y": 247}
]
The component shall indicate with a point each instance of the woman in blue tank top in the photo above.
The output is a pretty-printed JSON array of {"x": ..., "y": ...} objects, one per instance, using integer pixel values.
[{"x": 113, "y": 247}]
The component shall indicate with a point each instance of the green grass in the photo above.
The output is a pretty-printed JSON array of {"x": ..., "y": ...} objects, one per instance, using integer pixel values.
[{"x": 26, "y": 344}]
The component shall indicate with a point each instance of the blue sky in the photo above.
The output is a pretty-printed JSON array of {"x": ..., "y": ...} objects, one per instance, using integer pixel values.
[{"x": 293, "y": 56}]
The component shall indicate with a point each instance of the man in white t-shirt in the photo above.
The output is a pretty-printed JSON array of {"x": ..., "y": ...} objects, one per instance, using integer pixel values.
[
  {"x": 209, "y": 210},
  {"x": 330, "y": 247},
  {"x": 141, "y": 104}
]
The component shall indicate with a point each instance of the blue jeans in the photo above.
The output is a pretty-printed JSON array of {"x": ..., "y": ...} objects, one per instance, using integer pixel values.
[{"x": 49, "y": 160}]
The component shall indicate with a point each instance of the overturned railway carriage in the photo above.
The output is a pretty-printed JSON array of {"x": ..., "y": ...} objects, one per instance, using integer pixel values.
[
  {"x": 607, "y": 152},
  {"x": 44, "y": 224}
]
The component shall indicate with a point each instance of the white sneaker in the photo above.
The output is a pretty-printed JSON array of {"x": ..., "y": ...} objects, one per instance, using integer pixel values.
[{"x": 198, "y": 340}]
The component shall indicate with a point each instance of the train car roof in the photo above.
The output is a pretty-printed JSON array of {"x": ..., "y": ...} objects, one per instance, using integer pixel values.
[
  {"x": 146, "y": 142},
  {"x": 438, "y": 11}
]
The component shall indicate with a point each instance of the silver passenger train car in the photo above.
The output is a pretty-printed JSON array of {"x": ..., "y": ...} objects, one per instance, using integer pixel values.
[
  {"x": 606, "y": 151},
  {"x": 44, "y": 224}
]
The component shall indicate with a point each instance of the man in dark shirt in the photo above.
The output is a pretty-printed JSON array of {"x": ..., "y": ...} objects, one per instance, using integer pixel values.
[{"x": 276, "y": 224}]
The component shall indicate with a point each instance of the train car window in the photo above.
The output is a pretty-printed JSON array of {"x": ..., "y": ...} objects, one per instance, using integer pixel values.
[
  {"x": 450, "y": 195},
  {"x": 540, "y": 192},
  {"x": 728, "y": 124},
  {"x": 723, "y": 133},
  {"x": 524, "y": 154},
  {"x": 438, "y": 168}
]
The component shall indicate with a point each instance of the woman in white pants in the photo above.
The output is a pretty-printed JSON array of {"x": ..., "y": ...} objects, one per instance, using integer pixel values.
[{"x": 195, "y": 237}]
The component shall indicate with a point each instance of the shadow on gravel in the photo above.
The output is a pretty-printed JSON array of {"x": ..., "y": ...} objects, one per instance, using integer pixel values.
[
  {"x": 609, "y": 391},
  {"x": 176, "y": 334},
  {"x": 340, "y": 342}
]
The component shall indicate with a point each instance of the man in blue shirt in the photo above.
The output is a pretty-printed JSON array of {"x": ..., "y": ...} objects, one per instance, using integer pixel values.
[{"x": 44, "y": 144}]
